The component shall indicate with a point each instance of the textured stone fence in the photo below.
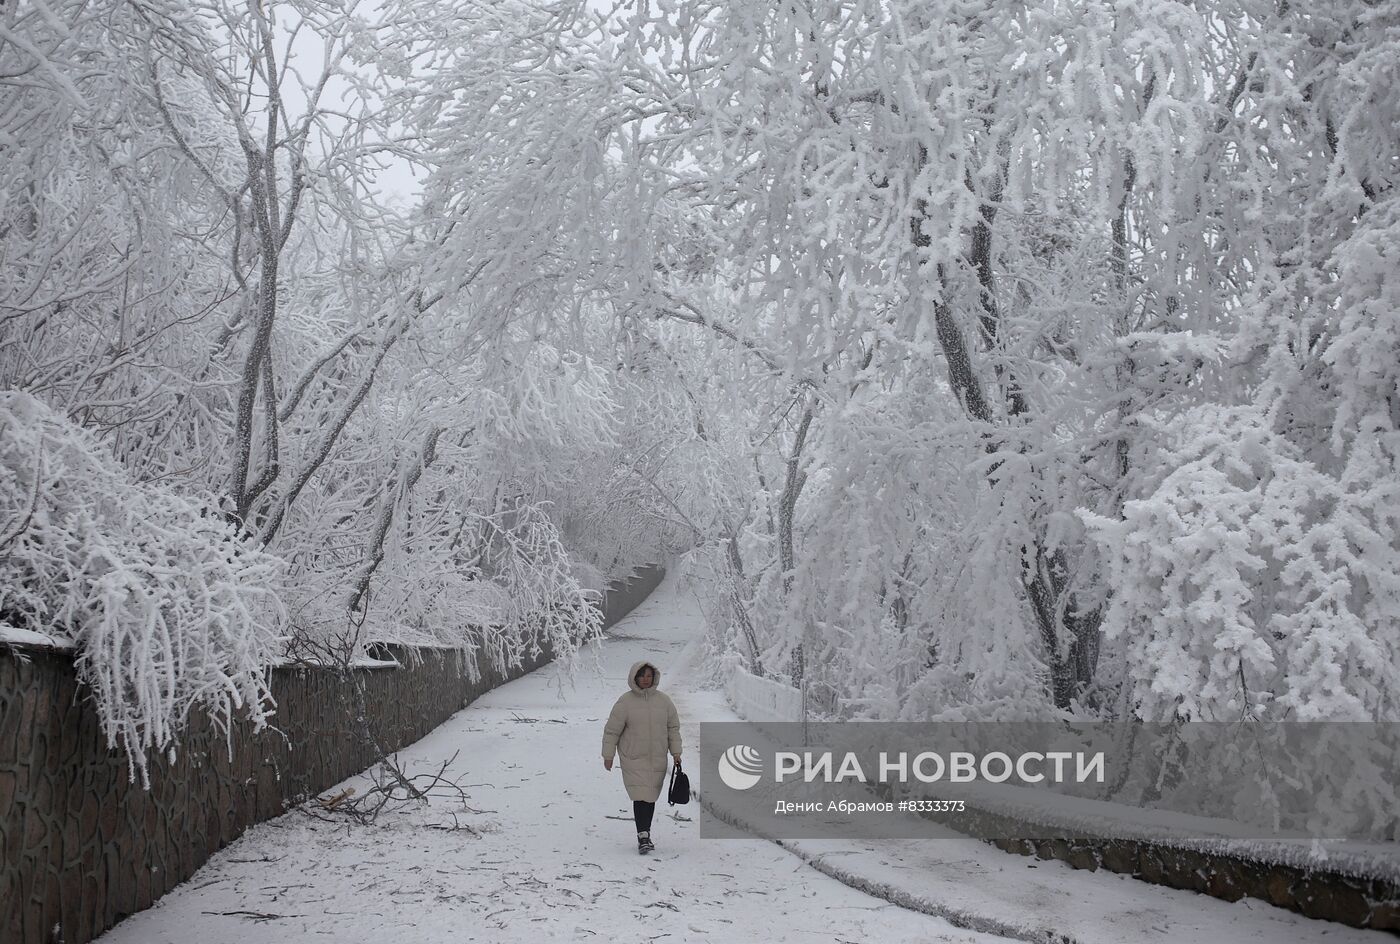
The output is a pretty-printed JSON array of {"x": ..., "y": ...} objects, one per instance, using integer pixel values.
[
  {"x": 1332, "y": 894},
  {"x": 82, "y": 846},
  {"x": 1359, "y": 894}
]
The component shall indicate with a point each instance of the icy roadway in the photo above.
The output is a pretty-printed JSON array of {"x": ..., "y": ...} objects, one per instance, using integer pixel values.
[{"x": 550, "y": 853}]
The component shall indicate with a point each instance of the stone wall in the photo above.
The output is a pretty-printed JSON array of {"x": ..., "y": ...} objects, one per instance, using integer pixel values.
[
  {"x": 1317, "y": 891},
  {"x": 624, "y": 596},
  {"x": 82, "y": 845},
  {"x": 1331, "y": 894}
]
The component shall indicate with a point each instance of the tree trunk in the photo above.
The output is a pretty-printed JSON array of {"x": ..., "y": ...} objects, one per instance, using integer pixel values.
[
  {"x": 388, "y": 503},
  {"x": 1070, "y": 639},
  {"x": 793, "y": 482}
]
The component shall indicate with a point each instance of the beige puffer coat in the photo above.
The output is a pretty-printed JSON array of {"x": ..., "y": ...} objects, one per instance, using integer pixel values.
[{"x": 642, "y": 727}]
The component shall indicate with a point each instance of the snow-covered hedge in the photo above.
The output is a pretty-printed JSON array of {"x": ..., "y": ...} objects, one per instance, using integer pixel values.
[{"x": 168, "y": 611}]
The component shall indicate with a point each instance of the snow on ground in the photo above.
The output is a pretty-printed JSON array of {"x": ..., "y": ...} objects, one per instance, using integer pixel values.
[
  {"x": 556, "y": 859},
  {"x": 554, "y": 854}
]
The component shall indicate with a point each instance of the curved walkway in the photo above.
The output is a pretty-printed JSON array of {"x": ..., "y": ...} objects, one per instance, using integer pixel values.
[{"x": 551, "y": 853}]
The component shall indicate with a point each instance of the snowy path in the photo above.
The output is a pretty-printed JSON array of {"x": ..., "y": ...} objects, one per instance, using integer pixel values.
[
  {"x": 552, "y": 864},
  {"x": 557, "y": 861}
]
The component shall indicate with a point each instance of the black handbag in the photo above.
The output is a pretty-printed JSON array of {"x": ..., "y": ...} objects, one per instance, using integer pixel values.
[{"x": 679, "y": 792}]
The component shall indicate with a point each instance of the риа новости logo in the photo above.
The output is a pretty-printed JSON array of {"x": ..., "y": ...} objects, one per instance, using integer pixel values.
[{"x": 740, "y": 767}]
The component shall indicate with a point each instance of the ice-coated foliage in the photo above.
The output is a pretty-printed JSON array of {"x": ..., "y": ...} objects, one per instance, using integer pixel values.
[
  {"x": 1251, "y": 584},
  {"x": 1078, "y": 324},
  {"x": 877, "y": 173},
  {"x": 997, "y": 360},
  {"x": 201, "y": 269},
  {"x": 170, "y": 612}
]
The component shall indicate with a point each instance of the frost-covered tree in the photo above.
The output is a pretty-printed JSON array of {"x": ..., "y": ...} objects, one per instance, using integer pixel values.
[
  {"x": 168, "y": 608},
  {"x": 998, "y": 360},
  {"x": 1067, "y": 242},
  {"x": 200, "y": 272},
  {"x": 1270, "y": 587}
]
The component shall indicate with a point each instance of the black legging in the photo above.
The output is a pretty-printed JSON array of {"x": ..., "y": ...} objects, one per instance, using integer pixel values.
[{"x": 641, "y": 812}]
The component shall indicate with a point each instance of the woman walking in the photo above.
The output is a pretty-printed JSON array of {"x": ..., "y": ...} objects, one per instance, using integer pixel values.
[{"x": 642, "y": 726}]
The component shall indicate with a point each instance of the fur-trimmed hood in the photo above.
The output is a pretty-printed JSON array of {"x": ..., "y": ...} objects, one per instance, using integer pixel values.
[{"x": 632, "y": 677}]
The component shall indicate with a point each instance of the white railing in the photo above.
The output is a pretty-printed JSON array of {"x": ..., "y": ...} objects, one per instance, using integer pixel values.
[{"x": 761, "y": 699}]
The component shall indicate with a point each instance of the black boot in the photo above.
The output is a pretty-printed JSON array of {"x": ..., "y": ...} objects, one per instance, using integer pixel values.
[{"x": 644, "y": 843}]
